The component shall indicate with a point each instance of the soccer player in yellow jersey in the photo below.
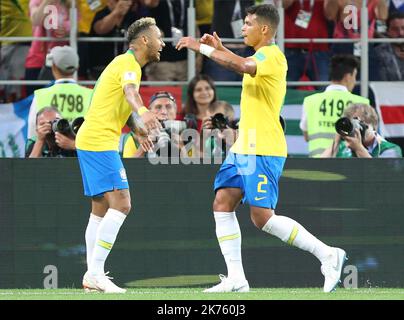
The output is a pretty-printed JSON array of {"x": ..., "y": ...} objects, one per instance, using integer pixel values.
[
  {"x": 252, "y": 169},
  {"x": 115, "y": 98}
]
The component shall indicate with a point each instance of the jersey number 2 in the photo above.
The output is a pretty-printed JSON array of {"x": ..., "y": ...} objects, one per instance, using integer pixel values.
[{"x": 263, "y": 182}]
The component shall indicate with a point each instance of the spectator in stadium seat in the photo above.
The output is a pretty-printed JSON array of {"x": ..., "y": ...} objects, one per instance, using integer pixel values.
[
  {"x": 36, "y": 55},
  {"x": 307, "y": 19},
  {"x": 14, "y": 22},
  {"x": 164, "y": 106},
  {"x": 112, "y": 21},
  {"x": 372, "y": 145},
  {"x": 322, "y": 110},
  {"x": 72, "y": 100},
  {"x": 201, "y": 93},
  {"x": 171, "y": 17},
  {"x": 377, "y": 13},
  {"x": 226, "y": 13},
  {"x": 389, "y": 57},
  {"x": 48, "y": 143}
]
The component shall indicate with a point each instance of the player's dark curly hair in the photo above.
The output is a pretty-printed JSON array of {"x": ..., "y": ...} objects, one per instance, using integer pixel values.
[
  {"x": 137, "y": 27},
  {"x": 266, "y": 12}
]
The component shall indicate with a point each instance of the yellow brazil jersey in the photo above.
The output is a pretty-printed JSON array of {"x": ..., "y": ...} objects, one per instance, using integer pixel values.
[
  {"x": 109, "y": 110},
  {"x": 262, "y": 96}
]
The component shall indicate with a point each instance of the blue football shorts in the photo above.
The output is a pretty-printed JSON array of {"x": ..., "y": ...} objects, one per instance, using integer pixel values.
[
  {"x": 256, "y": 176},
  {"x": 102, "y": 171}
]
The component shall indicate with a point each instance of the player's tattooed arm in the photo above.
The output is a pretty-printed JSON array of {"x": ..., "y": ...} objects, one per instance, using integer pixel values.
[
  {"x": 146, "y": 121},
  {"x": 234, "y": 62},
  {"x": 132, "y": 96},
  {"x": 226, "y": 58}
]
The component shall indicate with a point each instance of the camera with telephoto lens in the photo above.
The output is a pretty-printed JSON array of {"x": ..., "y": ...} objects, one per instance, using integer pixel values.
[
  {"x": 345, "y": 127},
  {"x": 219, "y": 121},
  {"x": 169, "y": 127},
  {"x": 64, "y": 127},
  {"x": 61, "y": 125}
]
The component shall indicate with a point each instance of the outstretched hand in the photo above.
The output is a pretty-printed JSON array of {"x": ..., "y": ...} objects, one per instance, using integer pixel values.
[
  {"x": 212, "y": 40},
  {"x": 188, "y": 42}
]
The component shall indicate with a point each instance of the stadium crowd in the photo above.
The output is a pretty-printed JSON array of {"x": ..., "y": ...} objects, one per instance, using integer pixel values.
[{"x": 314, "y": 19}]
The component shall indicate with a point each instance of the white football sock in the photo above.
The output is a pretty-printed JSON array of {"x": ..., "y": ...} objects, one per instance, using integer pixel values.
[
  {"x": 229, "y": 237},
  {"x": 291, "y": 232},
  {"x": 106, "y": 235},
  {"x": 90, "y": 235}
]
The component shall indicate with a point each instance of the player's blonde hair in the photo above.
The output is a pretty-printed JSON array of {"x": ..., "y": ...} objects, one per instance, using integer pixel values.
[{"x": 137, "y": 27}]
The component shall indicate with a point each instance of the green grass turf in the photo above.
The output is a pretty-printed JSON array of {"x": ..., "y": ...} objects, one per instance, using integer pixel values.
[{"x": 196, "y": 294}]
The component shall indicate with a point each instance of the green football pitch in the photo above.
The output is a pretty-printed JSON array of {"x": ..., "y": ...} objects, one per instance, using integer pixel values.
[{"x": 196, "y": 294}]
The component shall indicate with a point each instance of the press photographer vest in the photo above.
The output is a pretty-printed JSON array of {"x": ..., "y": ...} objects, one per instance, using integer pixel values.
[
  {"x": 322, "y": 111},
  {"x": 71, "y": 99}
]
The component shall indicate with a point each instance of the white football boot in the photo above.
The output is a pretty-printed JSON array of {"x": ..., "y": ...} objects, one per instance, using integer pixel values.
[
  {"x": 332, "y": 269},
  {"x": 100, "y": 283},
  {"x": 229, "y": 285}
]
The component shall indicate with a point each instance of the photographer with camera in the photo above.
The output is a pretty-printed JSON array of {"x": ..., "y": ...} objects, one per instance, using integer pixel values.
[
  {"x": 322, "y": 110},
  {"x": 164, "y": 106},
  {"x": 357, "y": 136},
  {"x": 219, "y": 129},
  {"x": 55, "y": 137}
]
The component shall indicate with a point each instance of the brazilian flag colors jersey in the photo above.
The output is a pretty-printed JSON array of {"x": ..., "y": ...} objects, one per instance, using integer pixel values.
[
  {"x": 262, "y": 96},
  {"x": 109, "y": 109}
]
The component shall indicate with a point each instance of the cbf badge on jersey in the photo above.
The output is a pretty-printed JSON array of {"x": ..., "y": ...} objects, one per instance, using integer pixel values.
[{"x": 303, "y": 19}]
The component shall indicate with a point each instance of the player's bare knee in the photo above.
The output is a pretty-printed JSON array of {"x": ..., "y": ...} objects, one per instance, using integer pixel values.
[
  {"x": 220, "y": 204},
  {"x": 125, "y": 208},
  {"x": 260, "y": 216}
]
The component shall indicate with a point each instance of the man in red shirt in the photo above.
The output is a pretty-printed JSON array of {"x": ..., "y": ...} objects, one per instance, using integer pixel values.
[{"x": 307, "y": 19}]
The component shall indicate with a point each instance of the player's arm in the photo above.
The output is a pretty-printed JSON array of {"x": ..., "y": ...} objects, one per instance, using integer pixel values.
[
  {"x": 225, "y": 58},
  {"x": 140, "y": 111},
  {"x": 143, "y": 119}
]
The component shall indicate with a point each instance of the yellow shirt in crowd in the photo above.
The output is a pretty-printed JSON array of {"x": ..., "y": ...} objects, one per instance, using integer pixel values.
[
  {"x": 109, "y": 109},
  {"x": 262, "y": 96},
  {"x": 204, "y": 11},
  {"x": 87, "y": 10},
  {"x": 14, "y": 19}
]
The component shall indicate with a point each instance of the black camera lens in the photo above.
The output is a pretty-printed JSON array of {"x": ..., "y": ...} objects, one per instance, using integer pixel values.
[
  {"x": 61, "y": 125},
  {"x": 219, "y": 121},
  {"x": 344, "y": 127}
]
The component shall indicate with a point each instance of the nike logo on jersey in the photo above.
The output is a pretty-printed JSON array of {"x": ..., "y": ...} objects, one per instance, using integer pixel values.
[{"x": 259, "y": 198}]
